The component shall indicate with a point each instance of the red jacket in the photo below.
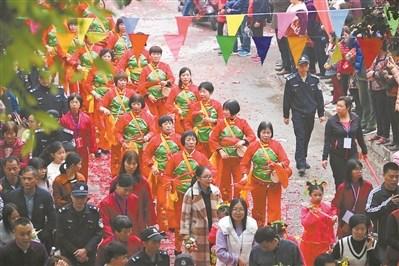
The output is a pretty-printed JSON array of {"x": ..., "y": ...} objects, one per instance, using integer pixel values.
[
  {"x": 195, "y": 109},
  {"x": 110, "y": 208},
  {"x": 83, "y": 132},
  {"x": 144, "y": 84},
  {"x": 7, "y": 150}
]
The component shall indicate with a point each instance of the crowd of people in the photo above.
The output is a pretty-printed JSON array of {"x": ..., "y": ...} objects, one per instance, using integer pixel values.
[{"x": 182, "y": 162}]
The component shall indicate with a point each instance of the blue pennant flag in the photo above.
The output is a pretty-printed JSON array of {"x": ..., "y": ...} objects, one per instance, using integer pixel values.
[
  {"x": 262, "y": 46},
  {"x": 338, "y": 20},
  {"x": 130, "y": 24}
]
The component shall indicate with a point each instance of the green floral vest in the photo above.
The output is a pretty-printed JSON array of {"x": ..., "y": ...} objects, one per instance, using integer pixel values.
[
  {"x": 137, "y": 127},
  {"x": 182, "y": 172},
  {"x": 87, "y": 59},
  {"x": 183, "y": 99},
  {"x": 134, "y": 68},
  {"x": 52, "y": 38},
  {"x": 156, "y": 75},
  {"x": 260, "y": 160},
  {"x": 121, "y": 46},
  {"x": 100, "y": 81},
  {"x": 161, "y": 154},
  {"x": 201, "y": 129},
  {"x": 230, "y": 150},
  {"x": 119, "y": 105}
]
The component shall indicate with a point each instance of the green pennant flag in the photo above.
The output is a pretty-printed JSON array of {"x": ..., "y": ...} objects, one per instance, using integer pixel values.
[
  {"x": 226, "y": 44},
  {"x": 393, "y": 21}
]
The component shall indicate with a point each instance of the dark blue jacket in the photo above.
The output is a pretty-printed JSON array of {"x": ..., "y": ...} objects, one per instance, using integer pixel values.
[{"x": 237, "y": 6}]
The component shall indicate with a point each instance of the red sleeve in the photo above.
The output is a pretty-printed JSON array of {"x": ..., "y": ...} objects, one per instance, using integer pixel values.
[
  {"x": 245, "y": 164},
  {"x": 308, "y": 218},
  {"x": 112, "y": 39},
  {"x": 170, "y": 101},
  {"x": 105, "y": 217},
  {"x": 281, "y": 154},
  {"x": 151, "y": 122},
  {"x": 75, "y": 57},
  {"x": 92, "y": 140},
  {"x": 148, "y": 152},
  {"x": 88, "y": 84},
  {"x": 120, "y": 125},
  {"x": 188, "y": 121},
  {"x": 171, "y": 164},
  {"x": 337, "y": 201},
  {"x": 249, "y": 133},
  {"x": 218, "y": 108},
  {"x": 122, "y": 64},
  {"x": 203, "y": 161},
  {"x": 169, "y": 73},
  {"x": 107, "y": 99},
  {"x": 214, "y": 137},
  {"x": 152, "y": 219},
  {"x": 143, "y": 83}
]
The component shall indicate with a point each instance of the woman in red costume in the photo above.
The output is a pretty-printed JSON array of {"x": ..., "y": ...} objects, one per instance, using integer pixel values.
[
  {"x": 203, "y": 116},
  {"x": 119, "y": 42},
  {"x": 156, "y": 154},
  {"x": 135, "y": 128},
  {"x": 262, "y": 155},
  {"x": 229, "y": 139},
  {"x": 318, "y": 219},
  {"x": 83, "y": 131},
  {"x": 179, "y": 172},
  {"x": 155, "y": 82},
  {"x": 181, "y": 96},
  {"x": 114, "y": 104}
]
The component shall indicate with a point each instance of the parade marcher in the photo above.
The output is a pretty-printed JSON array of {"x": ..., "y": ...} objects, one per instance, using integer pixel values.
[
  {"x": 179, "y": 172},
  {"x": 9, "y": 215},
  {"x": 155, "y": 82},
  {"x": 115, "y": 254},
  {"x": 119, "y": 42},
  {"x": 180, "y": 98},
  {"x": 131, "y": 165},
  {"x": 56, "y": 154},
  {"x": 381, "y": 202},
  {"x": 121, "y": 228},
  {"x": 23, "y": 250},
  {"x": 150, "y": 255},
  {"x": 235, "y": 236},
  {"x": 11, "y": 144},
  {"x": 303, "y": 97},
  {"x": 10, "y": 181},
  {"x": 114, "y": 104},
  {"x": 317, "y": 219},
  {"x": 40, "y": 165},
  {"x": 351, "y": 196},
  {"x": 271, "y": 250},
  {"x": 36, "y": 204},
  {"x": 343, "y": 132},
  {"x": 79, "y": 228},
  {"x": 120, "y": 202},
  {"x": 392, "y": 238},
  {"x": 62, "y": 185},
  {"x": 199, "y": 214},
  {"x": 230, "y": 138},
  {"x": 135, "y": 128},
  {"x": 262, "y": 156},
  {"x": 203, "y": 115},
  {"x": 83, "y": 131},
  {"x": 358, "y": 247},
  {"x": 155, "y": 156}
]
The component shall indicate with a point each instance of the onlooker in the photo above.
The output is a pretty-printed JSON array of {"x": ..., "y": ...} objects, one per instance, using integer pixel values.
[
  {"x": 11, "y": 144},
  {"x": 351, "y": 196},
  {"x": 23, "y": 250},
  {"x": 345, "y": 69},
  {"x": 36, "y": 204},
  {"x": 79, "y": 228},
  {"x": 392, "y": 238},
  {"x": 57, "y": 260},
  {"x": 40, "y": 166},
  {"x": 272, "y": 250},
  {"x": 324, "y": 259},
  {"x": 381, "y": 202},
  {"x": 392, "y": 81},
  {"x": 116, "y": 254},
  {"x": 56, "y": 153},
  {"x": 11, "y": 169},
  {"x": 235, "y": 236},
  {"x": 10, "y": 215}
]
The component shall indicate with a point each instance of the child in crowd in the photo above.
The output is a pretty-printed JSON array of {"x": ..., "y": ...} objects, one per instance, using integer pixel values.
[
  {"x": 318, "y": 219},
  {"x": 57, "y": 154},
  {"x": 40, "y": 165},
  {"x": 223, "y": 210}
]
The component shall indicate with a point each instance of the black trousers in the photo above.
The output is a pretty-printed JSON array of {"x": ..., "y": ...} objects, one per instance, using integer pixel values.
[
  {"x": 303, "y": 127},
  {"x": 317, "y": 54},
  {"x": 393, "y": 119},
  {"x": 379, "y": 99},
  {"x": 285, "y": 53},
  {"x": 338, "y": 167}
]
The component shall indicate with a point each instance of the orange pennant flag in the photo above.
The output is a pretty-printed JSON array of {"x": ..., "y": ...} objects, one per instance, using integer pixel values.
[
  {"x": 83, "y": 27},
  {"x": 138, "y": 41},
  {"x": 370, "y": 48},
  {"x": 64, "y": 39},
  {"x": 182, "y": 25},
  {"x": 175, "y": 42},
  {"x": 297, "y": 44}
]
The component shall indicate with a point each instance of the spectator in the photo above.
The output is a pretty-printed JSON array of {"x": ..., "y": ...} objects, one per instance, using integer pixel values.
[
  {"x": 57, "y": 260},
  {"x": 36, "y": 204},
  {"x": 392, "y": 80},
  {"x": 10, "y": 215},
  {"x": 122, "y": 233},
  {"x": 199, "y": 213},
  {"x": 257, "y": 14},
  {"x": 272, "y": 250},
  {"x": 40, "y": 166},
  {"x": 62, "y": 185},
  {"x": 325, "y": 259},
  {"x": 23, "y": 250},
  {"x": 392, "y": 238},
  {"x": 235, "y": 236},
  {"x": 351, "y": 196},
  {"x": 79, "y": 228},
  {"x": 57, "y": 154},
  {"x": 357, "y": 248},
  {"x": 116, "y": 254},
  {"x": 381, "y": 202},
  {"x": 345, "y": 69},
  {"x": 10, "y": 181},
  {"x": 10, "y": 144},
  {"x": 342, "y": 134}
]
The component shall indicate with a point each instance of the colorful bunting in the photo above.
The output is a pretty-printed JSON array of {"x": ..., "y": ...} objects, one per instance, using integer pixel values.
[
  {"x": 64, "y": 39},
  {"x": 297, "y": 44},
  {"x": 33, "y": 26},
  {"x": 234, "y": 23},
  {"x": 138, "y": 41},
  {"x": 336, "y": 55},
  {"x": 323, "y": 13},
  {"x": 174, "y": 42},
  {"x": 182, "y": 25},
  {"x": 392, "y": 22},
  {"x": 338, "y": 20},
  {"x": 95, "y": 37},
  {"x": 283, "y": 21},
  {"x": 226, "y": 44},
  {"x": 370, "y": 48},
  {"x": 130, "y": 23},
  {"x": 262, "y": 46},
  {"x": 83, "y": 27}
]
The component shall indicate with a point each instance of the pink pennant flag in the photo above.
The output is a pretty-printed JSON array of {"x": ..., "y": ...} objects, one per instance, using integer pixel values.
[
  {"x": 33, "y": 26},
  {"x": 183, "y": 23},
  {"x": 283, "y": 21},
  {"x": 174, "y": 42},
  {"x": 323, "y": 13}
]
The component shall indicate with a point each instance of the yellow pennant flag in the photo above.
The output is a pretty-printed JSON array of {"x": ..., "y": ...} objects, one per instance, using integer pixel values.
[
  {"x": 64, "y": 39},
  {"x": 233, "y": 24},
  {"x": 83, "y": 27},
  {"x": 336, "y": 55},
  {"x": 95, "y": 37},
  {"x": 297, "y": 44}
]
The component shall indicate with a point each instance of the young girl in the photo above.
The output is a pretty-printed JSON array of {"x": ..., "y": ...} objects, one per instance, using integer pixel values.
[
  {"x": 56, "y": 152},
  {"x": 317, "y": 219},
  {"x": 223, "y": 210},
  {"x": 39, "y": 164}
]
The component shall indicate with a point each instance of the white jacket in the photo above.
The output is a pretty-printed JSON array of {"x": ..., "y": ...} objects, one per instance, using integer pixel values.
[{"x": 238, "y": 245}]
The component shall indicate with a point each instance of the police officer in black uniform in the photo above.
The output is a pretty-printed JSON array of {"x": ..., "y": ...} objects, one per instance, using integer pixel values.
[
  {"x": 79, "y": 228},
  {"x": 150, "y": 255},
  {"x": 303, "y": 97}
]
